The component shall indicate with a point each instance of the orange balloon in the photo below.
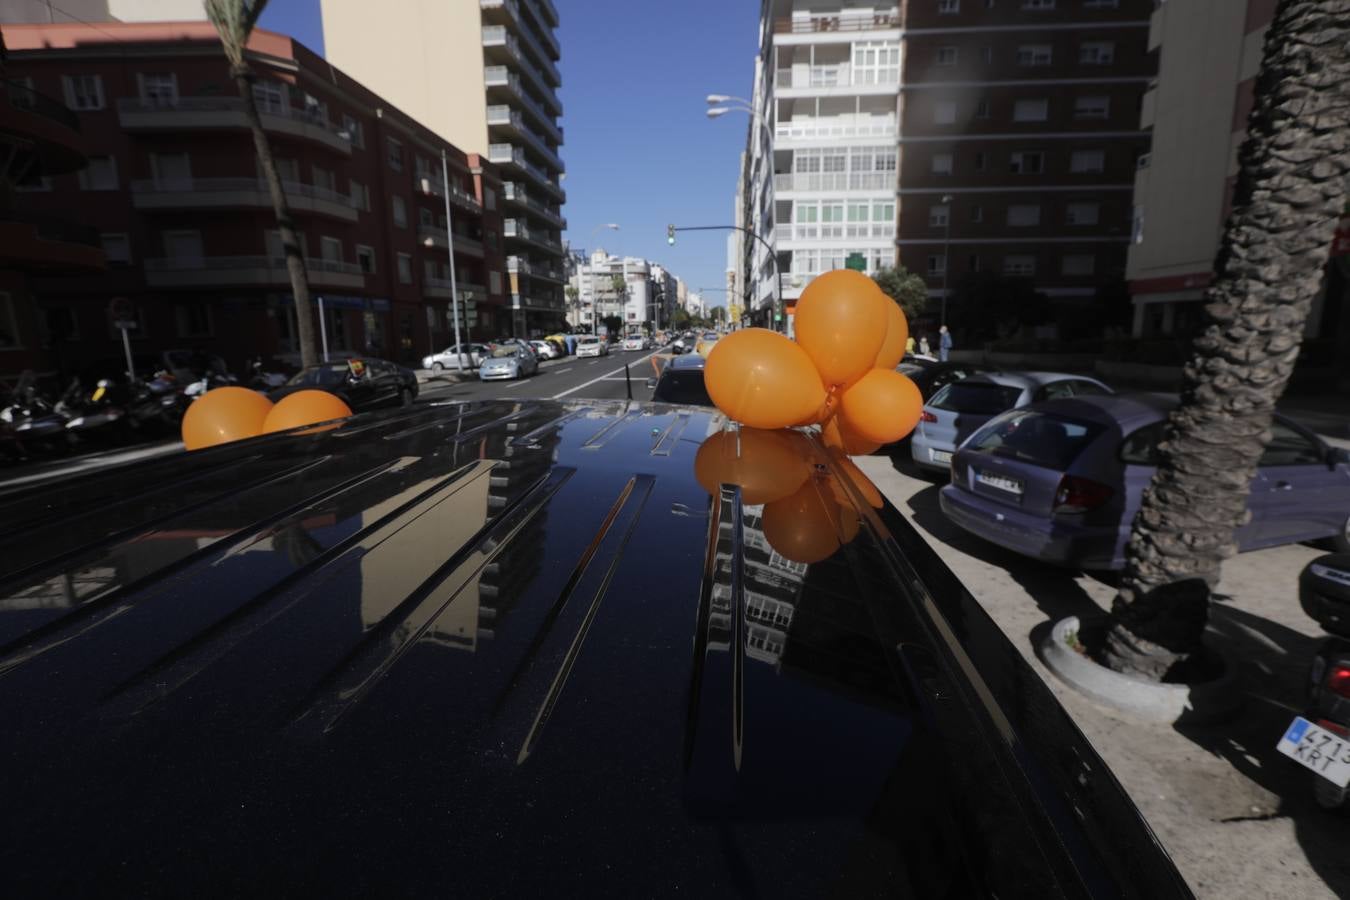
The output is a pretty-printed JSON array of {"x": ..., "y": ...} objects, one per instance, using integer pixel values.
[
  {"x": 841, "y": 322},
  {"x": 897, "y": 332},
  {"x": 305, "y": 408},
  {"x": 849, "y": 524},
  {"x": 223, "y": 415},
  {"x": 761, "y": 379},
  {"x": 804, "y": 527},
  {"x": 883, "y": 406},
  {"x": 854, "y": 474},
  {"x": 836, "y": 434},
  {"x": 768, "y": 467}
]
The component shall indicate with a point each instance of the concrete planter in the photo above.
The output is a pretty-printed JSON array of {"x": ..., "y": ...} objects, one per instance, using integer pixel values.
[{"x": 1207, "y": 701}]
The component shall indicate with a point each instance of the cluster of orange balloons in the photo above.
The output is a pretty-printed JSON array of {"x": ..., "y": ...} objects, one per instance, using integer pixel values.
[
  {"x": 234, "y": 413},
  {"x": 840, "y": 371},
  {"x": 808, "y": 514}
]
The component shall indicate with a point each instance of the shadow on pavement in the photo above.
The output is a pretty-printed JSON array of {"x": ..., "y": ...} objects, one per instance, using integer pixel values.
[{"x": 1274, "y": 664}]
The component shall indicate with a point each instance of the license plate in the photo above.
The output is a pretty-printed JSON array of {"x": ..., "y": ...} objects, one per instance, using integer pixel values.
[
  {"x": 1002, "y": 482},
  {"x": 1325, "y": 752},
  {"x": 939, "y": 456}
]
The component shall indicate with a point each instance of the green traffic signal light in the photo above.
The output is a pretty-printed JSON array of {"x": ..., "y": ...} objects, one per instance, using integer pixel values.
[{"x": 670, "y": 235}]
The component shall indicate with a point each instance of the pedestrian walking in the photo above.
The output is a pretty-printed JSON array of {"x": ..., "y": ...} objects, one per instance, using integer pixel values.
[
  {"x": 909, "y": 345},
  {"x": 923, "y": 346},
  {"x": 944, "y": 343}
]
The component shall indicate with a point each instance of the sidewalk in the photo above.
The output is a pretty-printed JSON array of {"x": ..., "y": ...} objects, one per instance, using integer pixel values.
[{"x": 1237, "y": 817}]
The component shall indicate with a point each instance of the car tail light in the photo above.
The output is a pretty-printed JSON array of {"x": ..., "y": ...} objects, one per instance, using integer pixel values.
[
  {"x": 1335, "y": 727},
  {"x": 1338, "y": 679},
  {"x": 926, "y": 416},
  {"x": 1078, "y": 495}
]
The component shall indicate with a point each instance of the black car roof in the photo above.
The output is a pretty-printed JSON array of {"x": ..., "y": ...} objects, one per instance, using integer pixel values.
[{"x": 507, "y": 648}]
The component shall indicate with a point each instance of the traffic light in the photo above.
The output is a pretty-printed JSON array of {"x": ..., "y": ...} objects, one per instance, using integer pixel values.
[{"x": 670, "y": 235}]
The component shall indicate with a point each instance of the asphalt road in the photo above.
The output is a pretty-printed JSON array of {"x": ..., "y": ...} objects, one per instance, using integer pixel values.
[{"x": 599, "y": 378}]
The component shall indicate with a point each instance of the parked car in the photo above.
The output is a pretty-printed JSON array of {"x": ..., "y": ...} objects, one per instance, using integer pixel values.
[
  {"x": 362, "y": 383},
  {"x": 544, "y": 350},
  {"x": 634, "y": 342},
  {"x": 508, "y": 361},
  {"x": 472, "y": 356},
  {"x": 705, "y": 342},
  {"x": 930, "y": 376},
  {"x": 591, "y": 345},
  {"x": 1061, "y": 481},
  {"x": 957, "y": 410},
  {"x": 681, "y": 381}
]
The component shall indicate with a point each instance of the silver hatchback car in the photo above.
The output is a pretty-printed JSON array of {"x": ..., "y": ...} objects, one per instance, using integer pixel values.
[{"x": 956, "y": 411}]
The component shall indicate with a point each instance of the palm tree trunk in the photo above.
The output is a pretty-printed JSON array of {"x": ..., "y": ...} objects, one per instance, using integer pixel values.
[
  {"x": 290, "y": 244},
  {"x": 1290, "y": 192}
]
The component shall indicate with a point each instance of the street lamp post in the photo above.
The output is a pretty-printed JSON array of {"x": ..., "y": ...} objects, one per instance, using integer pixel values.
[
  {"x": 450, "y": 252},
  {"x": 946, "y": 255}
]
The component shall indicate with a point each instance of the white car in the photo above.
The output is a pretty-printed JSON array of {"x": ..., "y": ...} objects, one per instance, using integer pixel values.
[
  {"x": 590, "y": 345},
  {"x": 473, "y": 356},
  {"x": 635, "y": 342},
  {"x": 544, "y": 350}
]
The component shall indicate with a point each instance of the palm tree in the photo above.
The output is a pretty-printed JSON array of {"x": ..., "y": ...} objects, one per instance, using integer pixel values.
[
  {"x": 234, "y": 21},
  {"x": 1290, "y": 192}
]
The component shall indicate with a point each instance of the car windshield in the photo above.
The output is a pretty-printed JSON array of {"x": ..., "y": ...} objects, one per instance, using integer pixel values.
[
  {"x": 910, "y": 369},
  {"x": 326, "y": 374},
  {"x": 976, "y": 397},
  {"x": 710, "y": 335},
  {"x": 505, "y": 351},
  {"x": 1052, "y": 442},
  {"x": 682, "y": 387},
  {"x": 588, "y": 340}
]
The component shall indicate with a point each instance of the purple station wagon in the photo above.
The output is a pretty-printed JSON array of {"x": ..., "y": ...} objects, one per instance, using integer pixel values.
[{"x": 1061, "y": 481}]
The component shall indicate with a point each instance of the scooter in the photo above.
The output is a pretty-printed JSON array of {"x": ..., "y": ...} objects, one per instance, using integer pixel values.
[
  {"x": 32, "y": 420},
  {"x": 1320, "y": 739}
]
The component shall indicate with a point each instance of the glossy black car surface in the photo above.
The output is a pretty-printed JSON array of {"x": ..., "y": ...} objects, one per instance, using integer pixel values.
[
  {"x": 363, "y": 384},
  {"x": 681, "y": 381},
  {"x": 515, "y": 649},
  {"x": 929, "y": 377}
]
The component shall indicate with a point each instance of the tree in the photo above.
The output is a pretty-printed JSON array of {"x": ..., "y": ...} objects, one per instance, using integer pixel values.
[
  {"x": 1290, "y": 192},
  {"x": 718, "y": 314},
  {"x": 905, "y": 288},
  {"x": 234, "y": 21},
  {"x": 573, "y": 297},
  {"x": 613, "y": 324},
  {"x": 682, "y": 320}
]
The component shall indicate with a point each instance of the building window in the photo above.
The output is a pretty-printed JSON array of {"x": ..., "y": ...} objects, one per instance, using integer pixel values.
[
  {"x": 426, "y": 217},
  {"x": 977, "y": 214},
  {"x": 323, "y": 178},
  {"x": 1034, "y": 55},
  {"x": 365, "y": 258},
  {"x": 428, "y": 270},
  {"x": 400, "y": 208},
  {"x": 395, "y": 155},
  {"x": 938, "y": 216},
  {"x": 360, "y": 196},
  {"x": 100, "y": 174},
  {"x": 1027, "y": 162},
  {"x": 980, "y": 160},
  {"x": 1096, "y": 53},
  {"x": 1024, "y": 215},
  {"x": 973, "y": 263},
  {"x": 1101, "y": 4},
  {"x": 1091, "y": 107},
  {"x": 1082, "y": 213},
  {"x": 982, "y": 109},
  {"x": 876, "y": 62},
  {"x": 330, "y": 249},
  {"x": 944, "y": 112},
  {"x": 193, "y": 319},
  {"x": 83, "y": 92},
  {"x": 937, "y": 264},
  {"x": 1084, "y": 161},
  {"x": 1078, "y": 264},
  {"x": 270, "y": 97},
  {"x": 159, "y": 88},
  {"x": 9, "y": 329},
  {"x": 1038, "y": 4},
  {"x": 171, "y": 170},
  {"x": 20, "y": 91},
  {"x": 355, "y": 133},
  {"x": 60, "y": 324},
  {"x": 987, "y": 55},
  {"x": 1031, "y": 110},
  {"x": 942, "y": 164},
  {"x": 404, "y": 268},
  {"x": 1137, "y": 225},
  {"x": 117, "y": 247},
  {"x": 494, "y": 282},
  {"x": 1019, "y": 265},
  {"x": 948, "y": 7},
  {"x": 946, "y": 56}
]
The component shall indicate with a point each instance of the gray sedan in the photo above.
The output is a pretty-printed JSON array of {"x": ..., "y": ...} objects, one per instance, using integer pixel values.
[{"x": 508, "y": 362}]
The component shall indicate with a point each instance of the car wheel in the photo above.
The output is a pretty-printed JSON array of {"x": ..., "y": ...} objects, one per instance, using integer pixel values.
[
  {"x": 436, "y": 367},
  {"x": 405, "y": 397},
  {"x": 1341, "y": 543}
]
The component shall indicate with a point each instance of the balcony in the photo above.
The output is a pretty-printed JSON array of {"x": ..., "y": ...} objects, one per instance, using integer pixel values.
[
  {"x": 48, "y": 133},
  {"x": 510, "y": 12},
  {"x": 521, "y": 266},
  {"x": 502, "y": 77},
  {"x": 239, "y": 193},
  {"x": 511, "y": 155},
  {"x": 836, "y": 23},
  {"x": 837, "y": 231},
  {"x": 837, "y": 128},
  {"x": 508, "y": 120},
  {"x": 431, "y": 236},
  {"x": 217, "y": 113},
  {"x": 835, "y": 181},
  {"x": 439, "y": 288},
  {"x": 214, "y": 271},
  {"x": 46, "y": 245},
  {"x": 835, "y": 80},
  {"x": 432, "y": 186},
  {"x": 517, "y": 229},
  {"x": 515, "y": 193}
]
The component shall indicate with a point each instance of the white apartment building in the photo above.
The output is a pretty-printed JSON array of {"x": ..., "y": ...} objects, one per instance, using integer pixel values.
[
  {"x": 820, "y": 177},
  {"x": 622, "y": 286}
]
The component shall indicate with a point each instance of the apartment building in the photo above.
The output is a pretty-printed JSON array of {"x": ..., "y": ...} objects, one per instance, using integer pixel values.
[
  {"x": 173, "y": 191},
  {"x": 638, "y": 292},
  {"x": 483, "y": 75},
  {"x": 1210, "y": 53}
]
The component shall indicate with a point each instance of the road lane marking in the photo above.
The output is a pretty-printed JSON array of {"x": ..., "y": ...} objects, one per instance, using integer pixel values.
[
  {"x": 600, "y": 378},
  {"x": 560, "y": 371}
]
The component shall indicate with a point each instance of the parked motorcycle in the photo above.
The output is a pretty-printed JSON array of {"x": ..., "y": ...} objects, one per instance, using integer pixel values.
[
  {"x": 1320, "y": 739},
  {"x": 32, "y": 421}
]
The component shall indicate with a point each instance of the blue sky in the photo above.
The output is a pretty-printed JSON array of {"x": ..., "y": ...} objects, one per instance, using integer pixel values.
[{"x": 639, "y": 149}]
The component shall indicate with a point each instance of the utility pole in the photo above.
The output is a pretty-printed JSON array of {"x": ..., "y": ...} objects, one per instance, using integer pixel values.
[{"x": 450, "y": 251}]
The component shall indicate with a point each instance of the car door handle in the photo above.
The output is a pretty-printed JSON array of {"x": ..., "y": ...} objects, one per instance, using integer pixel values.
[{"x": 1283, "y": 486}]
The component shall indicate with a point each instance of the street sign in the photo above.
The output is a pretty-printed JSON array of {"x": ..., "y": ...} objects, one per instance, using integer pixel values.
[
  {"x": 857, "y": 262},
  {"x": 778, "y": 317}
]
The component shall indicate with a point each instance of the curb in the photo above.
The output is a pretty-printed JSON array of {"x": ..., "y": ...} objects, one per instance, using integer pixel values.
[{"x": 1166, "y": 703}]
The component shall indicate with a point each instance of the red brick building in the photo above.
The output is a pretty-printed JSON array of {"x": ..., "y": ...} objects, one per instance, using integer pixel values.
[{"x": 173, "y": 190}]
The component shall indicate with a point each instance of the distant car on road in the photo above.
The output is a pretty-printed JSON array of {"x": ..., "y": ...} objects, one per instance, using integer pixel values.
[
  {"x": 472, "y": 357},
  {"x": 545, "y": 350},
  {"x": 507, "y": 362},
  {"x": 591, "y": 345},
  {"x": 362, "y": 383},
  {"x": 1061, "y": 481},
  {"x": 705, "y": 342},
  {"x": 957, "y": 410},
  {"x": 634, "y": 342},
  {"x": 681, "y": 381}
]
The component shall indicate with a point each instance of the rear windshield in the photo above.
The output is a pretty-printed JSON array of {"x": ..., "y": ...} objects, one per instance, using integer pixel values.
[
  {"x": 1044, "y": 440},
  {"x": 330, "y": 373},
  {"x": 976, "y": 397},
  {"x": 682, "y": 387}
]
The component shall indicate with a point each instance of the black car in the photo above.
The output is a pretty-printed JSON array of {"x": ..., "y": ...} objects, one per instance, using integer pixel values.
[
  {"x": 681, "y": 381},
  {"x": 522, "y": 648},
  {"x": 931, "y": 376},
  {"x": 361, "y": 383}
]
